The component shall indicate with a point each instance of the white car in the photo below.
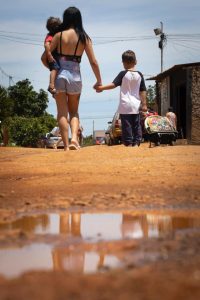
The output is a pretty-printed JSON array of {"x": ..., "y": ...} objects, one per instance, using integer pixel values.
[{"x": 52, "y": 140}]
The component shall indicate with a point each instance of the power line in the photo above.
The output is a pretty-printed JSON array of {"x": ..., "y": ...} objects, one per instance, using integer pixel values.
[
  {"x": 186, "y": 46},
  {"x": 109, "y": 37},
  {"x": 96, "y": 117},
  {"x": 187, "y": 53},
  {"x": 20, "y": 38},
  {"x": 105, "y": 40},
  {"x": 18, "y": 41},
  {"x": 23, "y": 33},
  {"x": 97, "y": 40}
]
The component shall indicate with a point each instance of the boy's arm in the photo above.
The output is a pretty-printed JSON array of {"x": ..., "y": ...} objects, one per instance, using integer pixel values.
[
  {"x": 116, "y": 82},
  {"x": 143, "y": 97},
  {"x": 101, "y": 88}
]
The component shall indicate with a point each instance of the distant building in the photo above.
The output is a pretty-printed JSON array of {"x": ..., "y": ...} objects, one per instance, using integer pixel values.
[
  {"x": 99, "y": 137},
  {"x": 99, "y": 133},
  {"x": 179, "y": 87}
]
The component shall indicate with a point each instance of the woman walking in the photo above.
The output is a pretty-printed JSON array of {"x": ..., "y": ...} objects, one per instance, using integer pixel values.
[{"x": 70, "y": 44}]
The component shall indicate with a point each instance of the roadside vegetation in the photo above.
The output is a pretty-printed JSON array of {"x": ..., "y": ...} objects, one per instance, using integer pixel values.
[{"x": 23, "y": 115}]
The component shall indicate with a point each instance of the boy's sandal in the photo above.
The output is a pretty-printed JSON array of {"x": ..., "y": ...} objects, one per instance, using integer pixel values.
[{"x": 52, "y": 90}]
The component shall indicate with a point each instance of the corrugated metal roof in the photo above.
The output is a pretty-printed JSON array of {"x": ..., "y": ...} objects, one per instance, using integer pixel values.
[{"x": 172, "y": 69}]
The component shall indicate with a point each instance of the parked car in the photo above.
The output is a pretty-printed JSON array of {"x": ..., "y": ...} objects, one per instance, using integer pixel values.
[
  {"x": 99, "y": 140},
  {"x": 52, "y": 140},
  {"x": 113, "y": 134},
  {"x": 49, "y": 141}
]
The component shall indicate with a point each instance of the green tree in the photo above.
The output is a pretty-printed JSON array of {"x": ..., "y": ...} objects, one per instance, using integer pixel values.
[
  {"x": 23, "y": 114},
  {"x": 6, "y": 104},
  {"x": 151, "y": 95},
  {"x": 6, "y": 111},
  {"x": 27, "y": 102}
]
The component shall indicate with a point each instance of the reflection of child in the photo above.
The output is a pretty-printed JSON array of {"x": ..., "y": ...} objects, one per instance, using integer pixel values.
[
  {"x": 48, "y": 59},
  {"x": 132, "y": 98}
]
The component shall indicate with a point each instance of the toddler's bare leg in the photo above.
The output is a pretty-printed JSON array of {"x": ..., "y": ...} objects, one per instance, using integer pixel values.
[{"x": 53, "y": 75}]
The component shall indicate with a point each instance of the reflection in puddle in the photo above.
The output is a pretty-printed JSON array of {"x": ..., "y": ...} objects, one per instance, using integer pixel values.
[
  {"x": 90, "y": 227},
  {"x": 15, "y": 261},
  {"x": 38, "y": 256},
  {"x": 105, "y": 226}
]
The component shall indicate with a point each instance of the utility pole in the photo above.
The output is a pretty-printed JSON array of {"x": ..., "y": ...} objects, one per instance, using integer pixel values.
[
  {"x": 162, "y": 41},
  {"x": 10, "y": 79},
  {"x": 93, "y": 130},
  {"x": 161, "y": 46}
]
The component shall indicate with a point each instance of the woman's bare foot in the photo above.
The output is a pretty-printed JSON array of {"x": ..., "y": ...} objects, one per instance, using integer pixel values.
[{"x": 74, "y": 145}]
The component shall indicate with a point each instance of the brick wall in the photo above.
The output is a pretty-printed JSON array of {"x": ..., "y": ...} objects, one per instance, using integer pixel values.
[
  {"x": 164, "y": 93},
  {"x": 195, "y": 96}
]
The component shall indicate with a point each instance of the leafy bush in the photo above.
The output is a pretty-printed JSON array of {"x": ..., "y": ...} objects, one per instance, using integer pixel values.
[
  {"x": 27, "y": 131},
  {"x": 88, "y": 141},
  {"x": 23, "y": 114}
]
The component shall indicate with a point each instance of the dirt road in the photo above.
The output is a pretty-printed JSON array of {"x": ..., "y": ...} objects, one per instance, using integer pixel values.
[{"x": 97, "y": 179}]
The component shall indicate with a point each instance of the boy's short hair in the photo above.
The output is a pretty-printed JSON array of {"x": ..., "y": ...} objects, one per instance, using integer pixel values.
[
  {"x": 129, "y": 57},
  {"x": 53, "y": 25}
]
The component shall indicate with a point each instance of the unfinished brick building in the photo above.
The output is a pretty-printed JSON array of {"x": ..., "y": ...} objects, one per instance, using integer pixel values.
[{"x": 179, "y": 87}]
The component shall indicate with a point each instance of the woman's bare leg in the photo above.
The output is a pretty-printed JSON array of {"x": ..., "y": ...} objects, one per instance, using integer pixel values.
[
  {"x": 62, "y": 115},
  {"x": 73, "y": 103}
]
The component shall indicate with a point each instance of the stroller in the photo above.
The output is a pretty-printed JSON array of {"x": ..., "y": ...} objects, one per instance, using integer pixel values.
[
  {"x": 143, "y": 116},
  {"x": 160, "y": 130}
]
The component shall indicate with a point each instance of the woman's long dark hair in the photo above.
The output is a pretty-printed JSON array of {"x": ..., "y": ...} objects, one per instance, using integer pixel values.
[{"x": 72, "y": 18}]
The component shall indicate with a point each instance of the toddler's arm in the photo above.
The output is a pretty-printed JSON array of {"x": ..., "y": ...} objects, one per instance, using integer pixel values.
[
  {"x": 44, "y": 59},
  {"x": 48, "y": 52}
]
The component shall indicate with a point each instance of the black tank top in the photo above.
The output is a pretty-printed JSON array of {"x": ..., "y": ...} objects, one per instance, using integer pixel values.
[{"x": 74, "y": 57}]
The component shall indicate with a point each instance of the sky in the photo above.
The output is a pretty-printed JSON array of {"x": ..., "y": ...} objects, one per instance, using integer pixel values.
[{"x": 114, "y": 26}]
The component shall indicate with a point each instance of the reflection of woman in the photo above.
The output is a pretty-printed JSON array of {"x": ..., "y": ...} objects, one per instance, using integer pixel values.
[{"x": 70, "y": 45}]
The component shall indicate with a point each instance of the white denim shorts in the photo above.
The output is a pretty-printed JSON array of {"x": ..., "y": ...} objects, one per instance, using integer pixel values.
[{"x": 69, "y": 77}]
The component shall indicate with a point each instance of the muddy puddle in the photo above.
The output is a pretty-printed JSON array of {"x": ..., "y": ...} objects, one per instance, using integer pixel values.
[{"x": 74, "y": 239}]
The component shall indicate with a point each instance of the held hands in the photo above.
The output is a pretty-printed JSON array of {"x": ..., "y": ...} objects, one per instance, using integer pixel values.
[{"x": 97, "y": 87}]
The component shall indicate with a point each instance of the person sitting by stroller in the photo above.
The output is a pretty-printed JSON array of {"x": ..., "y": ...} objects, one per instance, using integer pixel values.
[{"x": 172, "y": 117}]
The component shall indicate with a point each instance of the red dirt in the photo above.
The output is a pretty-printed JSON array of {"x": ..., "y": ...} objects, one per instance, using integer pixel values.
[{"x": 101, "y": 178}]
